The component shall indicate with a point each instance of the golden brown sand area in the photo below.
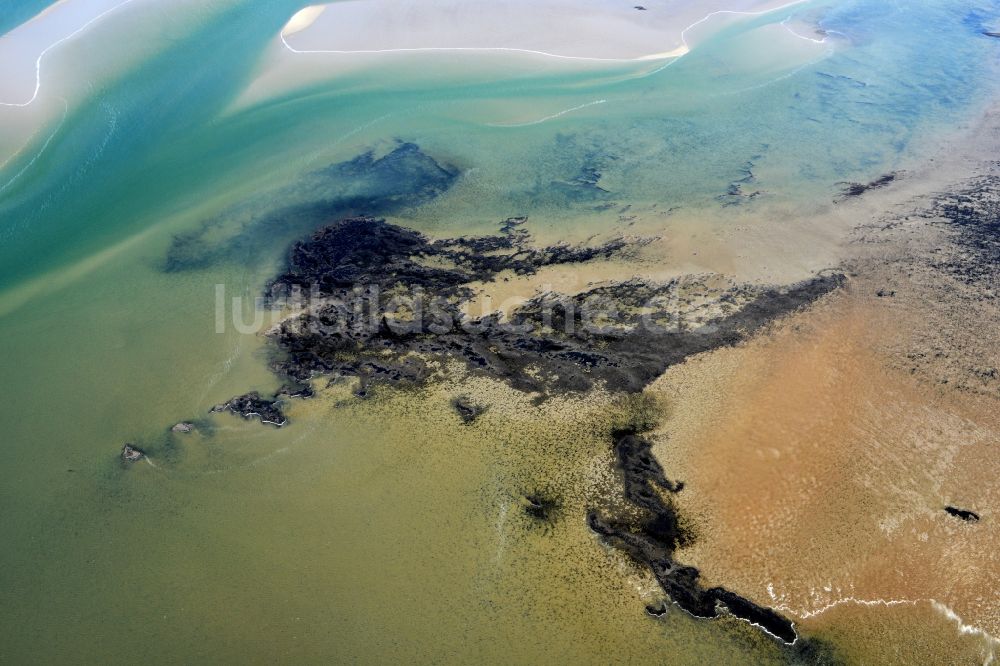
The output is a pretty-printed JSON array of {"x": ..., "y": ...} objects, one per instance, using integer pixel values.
[{"x": 818, "y": 474}]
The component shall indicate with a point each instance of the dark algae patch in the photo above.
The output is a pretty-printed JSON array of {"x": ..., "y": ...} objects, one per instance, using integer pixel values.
[
  {"x": 973, "y": 212},
  {"x": 403, "y": 178},
  {"x": 467, "y": 410},
  {"x": 857, "y": 189},
  {"x": 541, "y": 506},
  {"x": 252, "y": 405},
  {"x": 964, "y": 514},
  {"x": 368, "y": 251},
  {"x": 653, "y": 535},
  {"x": 384, "y": 300}
]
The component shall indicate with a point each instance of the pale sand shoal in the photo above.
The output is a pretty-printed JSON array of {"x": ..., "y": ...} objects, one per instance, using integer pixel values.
[
  {"x": 512, "y": 38},
  {"x": 590, "y": 29}
]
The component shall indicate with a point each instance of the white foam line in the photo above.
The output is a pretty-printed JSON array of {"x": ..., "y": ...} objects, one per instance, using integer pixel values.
[
  {"x": 803, "y": 614},
  {"x": 554, "y": 115},
  {"x": 39, "y": 154},
  {"x": 38, "y": 61},
  {"x": 968, "y": 630},
  {"x": 761, "y": 12},
  {"x": 673, "y": 58},
  {"x": 888, "y": 603},
  {"x": 963, "y": 628}
]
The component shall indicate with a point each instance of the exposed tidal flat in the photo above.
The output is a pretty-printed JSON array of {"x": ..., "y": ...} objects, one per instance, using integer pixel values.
[{"x": 445, "y": 519}]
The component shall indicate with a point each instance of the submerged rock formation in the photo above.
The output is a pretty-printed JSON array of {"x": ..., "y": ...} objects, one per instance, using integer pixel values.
[{"x": 736, "y": 194}]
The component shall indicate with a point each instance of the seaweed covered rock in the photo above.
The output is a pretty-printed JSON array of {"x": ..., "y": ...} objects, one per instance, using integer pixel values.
[
  {"x": 365, "y": 251},
  {"x": 467, "y": 410},
  {"x": 973, "y": 214},
  {"x": 656, "y": 610},
  {"x": 652, "y": 533},
  {"x": 131, "y": 453},
  {"x": 252, "y": 405},
  {"x": 383, "y": 300}
]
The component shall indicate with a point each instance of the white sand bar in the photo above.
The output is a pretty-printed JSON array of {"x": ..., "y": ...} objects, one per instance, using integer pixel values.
[
  {"x": 23, "y": 51},
  {"x": 584, "y": 29}
]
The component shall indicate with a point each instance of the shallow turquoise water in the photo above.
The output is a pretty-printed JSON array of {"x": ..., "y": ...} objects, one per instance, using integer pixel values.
[
  {"x": 103, "y": 345},
  {"x": 16, "y": 12},
  {"x": 154, "y": 137}
]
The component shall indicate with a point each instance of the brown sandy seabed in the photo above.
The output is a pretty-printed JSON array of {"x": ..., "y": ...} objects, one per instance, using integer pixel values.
[{"x": 818, "y": 458}]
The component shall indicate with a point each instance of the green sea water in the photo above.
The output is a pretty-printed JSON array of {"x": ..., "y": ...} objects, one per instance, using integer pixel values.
[{"x": 369, "y": 531}]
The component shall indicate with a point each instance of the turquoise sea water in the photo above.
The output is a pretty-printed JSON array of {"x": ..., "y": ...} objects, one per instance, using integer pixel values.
[
  {"x": 16, "y": 12},
  {"x": 346, "y": 535},
  {"x": 158, "y": 133}
]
